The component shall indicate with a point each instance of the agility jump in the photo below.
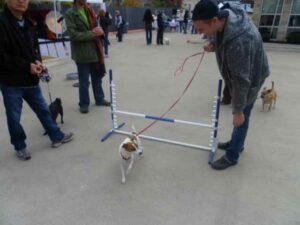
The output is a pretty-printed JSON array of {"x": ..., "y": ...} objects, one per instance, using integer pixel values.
[{"x": 213, "y": 126}]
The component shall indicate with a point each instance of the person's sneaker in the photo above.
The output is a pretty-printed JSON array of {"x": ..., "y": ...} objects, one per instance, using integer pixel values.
[
  {"x": 23, "y": 154},
  {"x": 67, "y": 138},
  {"x": 103, "y": 103},
  {"x": 222, "y": 163},
  {"x": 225, "y": 146},
  {"x": 84, "y": 110}
]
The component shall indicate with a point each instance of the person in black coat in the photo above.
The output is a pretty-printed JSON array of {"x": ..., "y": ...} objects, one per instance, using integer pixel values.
[
  {"x": 104, "y": 22},
  {"x": 148, "y": 20},
  {"x": 20, "y": 67},
  {"x": 160, "y": 29}
]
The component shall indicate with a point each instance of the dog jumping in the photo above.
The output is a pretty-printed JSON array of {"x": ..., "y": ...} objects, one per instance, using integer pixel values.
[
  {"x": 130, "y": 147},
  {"x": 269, "y": 97}
]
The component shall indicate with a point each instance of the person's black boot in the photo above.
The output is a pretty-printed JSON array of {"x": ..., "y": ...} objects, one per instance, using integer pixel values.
[
  {"x": 225, "y": 146},
  {"x": 222, "y": 163}
]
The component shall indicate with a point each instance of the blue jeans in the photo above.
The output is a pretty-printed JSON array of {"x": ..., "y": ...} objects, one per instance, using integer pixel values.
[
  {"x": 13, "y": 100},
  {"x": 120, "y": 33},
  {"x": 105, "y": 44},
  {"x": 84, "y": 71},
  {"x": 148, "y": 29},
  {"x": 238, "y": 136}
]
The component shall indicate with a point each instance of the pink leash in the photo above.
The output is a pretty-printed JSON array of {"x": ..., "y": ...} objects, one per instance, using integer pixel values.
[{"x": 177, "y": 72}]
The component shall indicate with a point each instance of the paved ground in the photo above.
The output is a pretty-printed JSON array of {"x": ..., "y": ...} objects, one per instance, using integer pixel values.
[{"x": 79, "y": 183}]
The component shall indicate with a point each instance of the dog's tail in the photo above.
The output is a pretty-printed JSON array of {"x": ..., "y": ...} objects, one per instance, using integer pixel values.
[{"x": 272, "y": 85}]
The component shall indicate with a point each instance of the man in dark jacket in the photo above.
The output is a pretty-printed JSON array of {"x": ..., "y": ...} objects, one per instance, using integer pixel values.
[
  {"x": 87, "y": 52},
  {"x": 242, "y": 62},
  {"x": 20, "y": 65},
  {"x": 160, "y": 29}
]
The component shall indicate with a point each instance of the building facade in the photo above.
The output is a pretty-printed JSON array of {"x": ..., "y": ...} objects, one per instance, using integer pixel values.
[{"x": 278, "y": 18}]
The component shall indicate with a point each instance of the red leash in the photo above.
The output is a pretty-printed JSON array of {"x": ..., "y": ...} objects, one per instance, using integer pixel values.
[{"x": 177, "y": 72}]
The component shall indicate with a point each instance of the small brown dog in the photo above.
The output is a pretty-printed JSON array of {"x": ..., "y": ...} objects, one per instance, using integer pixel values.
[{"x": 268, "y": 97}]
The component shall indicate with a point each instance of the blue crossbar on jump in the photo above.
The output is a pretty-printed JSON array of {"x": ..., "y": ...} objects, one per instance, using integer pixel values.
[{"x": 213, "y": 126}]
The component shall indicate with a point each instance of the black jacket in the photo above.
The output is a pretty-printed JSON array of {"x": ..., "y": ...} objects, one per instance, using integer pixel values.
[{"x": 18, "y": 48}]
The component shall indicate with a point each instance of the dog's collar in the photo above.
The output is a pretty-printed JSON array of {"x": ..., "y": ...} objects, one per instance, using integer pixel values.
[{"x": 123, "y": 157}]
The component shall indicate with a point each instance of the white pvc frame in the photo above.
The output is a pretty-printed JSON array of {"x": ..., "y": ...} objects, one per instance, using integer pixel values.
[{"x": 213, "y": 126}]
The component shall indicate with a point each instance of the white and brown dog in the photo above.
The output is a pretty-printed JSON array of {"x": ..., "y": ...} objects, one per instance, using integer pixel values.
[{"x": 129, "y": 147}]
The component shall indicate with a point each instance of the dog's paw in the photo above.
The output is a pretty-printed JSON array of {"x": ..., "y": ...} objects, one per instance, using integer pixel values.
[{"x": 123, "y": 181}]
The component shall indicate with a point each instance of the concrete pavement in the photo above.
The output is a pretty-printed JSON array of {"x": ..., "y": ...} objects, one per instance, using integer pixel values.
[{"x": 80, "y": 182}]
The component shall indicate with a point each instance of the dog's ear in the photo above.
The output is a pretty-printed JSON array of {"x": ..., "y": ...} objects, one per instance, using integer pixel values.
[{"x": 128, "y": 147}]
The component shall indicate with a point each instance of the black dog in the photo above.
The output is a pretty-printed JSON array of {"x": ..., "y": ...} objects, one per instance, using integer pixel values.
[{"x": 56, "y": 109}]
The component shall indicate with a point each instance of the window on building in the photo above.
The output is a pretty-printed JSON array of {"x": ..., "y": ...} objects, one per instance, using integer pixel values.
[
  {"x": 294, "y": 21},
  {"x": 268, "y": 33},
  {"x": 267, "y": 20},
  {"x": 296, "y": 7},
  {"x": 272, "y": 6}
]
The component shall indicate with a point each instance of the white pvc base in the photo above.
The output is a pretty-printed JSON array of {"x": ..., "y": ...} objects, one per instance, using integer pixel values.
[{"x": 198, "y": 147}]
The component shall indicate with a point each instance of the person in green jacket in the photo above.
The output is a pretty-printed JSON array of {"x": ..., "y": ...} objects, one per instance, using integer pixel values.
[{"x": 87, "y": 52}]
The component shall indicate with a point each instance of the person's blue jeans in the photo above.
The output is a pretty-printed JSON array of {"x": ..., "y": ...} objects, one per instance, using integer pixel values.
[
  {"x": 148, "y": 29},
  {"x": 120, "y": 33},
  {"x": 105, "y": 44},
  {"x": 238, "y": 136},
  {"x": 185, "y": 24},
  {"x": 13, "y": 101},
  {"x": 84, "y": 72}
]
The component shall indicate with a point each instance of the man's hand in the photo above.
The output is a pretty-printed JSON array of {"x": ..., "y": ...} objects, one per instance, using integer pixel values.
[
  {"x": 208, "y": 47},
  {"x": 36, "y": 69},
  {"x": 98, "y": 31},
  {"x": 238, "y": 119},
  {"x": 37, "y": 62}
]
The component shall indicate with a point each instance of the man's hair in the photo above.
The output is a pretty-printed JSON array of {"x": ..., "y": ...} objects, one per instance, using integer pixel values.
[{"x": 208, "y": 9}]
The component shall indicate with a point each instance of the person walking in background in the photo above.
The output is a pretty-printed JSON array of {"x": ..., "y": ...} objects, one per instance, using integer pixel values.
[
  {"x": 180, "y": 17},
  {"x": 20, "y": 66},
  {"x": 242, "y": 62},
  {"x": 160, "y": 29},
  {"x": 148, "y": 20},
  {"x": 109, "y": 18},
  {"x": 119, "y": 25},
  {"x": 87, "y": 52},
  {"x": 186, "y": 18},
  {"x": 104, "y": 23}
]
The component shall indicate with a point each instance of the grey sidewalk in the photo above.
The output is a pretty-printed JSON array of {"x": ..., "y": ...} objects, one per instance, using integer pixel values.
[{"x": 80, "y": 182}]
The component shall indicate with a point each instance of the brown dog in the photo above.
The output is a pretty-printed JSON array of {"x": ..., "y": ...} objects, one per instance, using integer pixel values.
[{"x": 268, "y": 97}]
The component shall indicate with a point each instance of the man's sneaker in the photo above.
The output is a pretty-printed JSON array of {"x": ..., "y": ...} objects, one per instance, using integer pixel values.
[
  {"x": 67, "y": 138},
  {"x": 222, "y": 163},
  {"x": 84, "y": 110},
  {"x": 23, "y": 154},
  {"x": 103, "y": 103},
  {"x": 225, "y": 146}
]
